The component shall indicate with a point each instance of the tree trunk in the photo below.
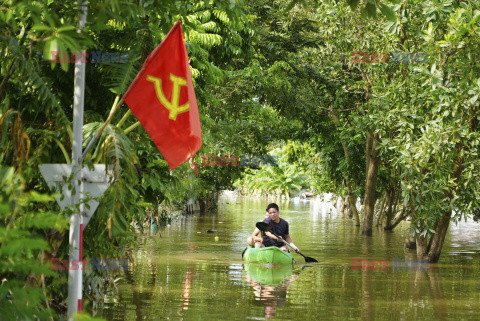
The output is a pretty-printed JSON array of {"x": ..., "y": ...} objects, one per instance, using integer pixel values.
[
  {"x": 410, "y": 242},
  {"x": 371, "y": 184},
  {"x": 435, "y": 247},
  {"x": 422, "y": 247},
  {"x": 340, "y": 206},
  {"x": 351, "y": 201},
  {"x": 368, "y": 148},
  {"x": 389, "y": 210},
  {"x": 382, "y": 210},
  {"x": 403, "y": 215}
]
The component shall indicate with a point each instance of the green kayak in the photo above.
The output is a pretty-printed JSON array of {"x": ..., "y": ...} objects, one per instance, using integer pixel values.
[{"x": 265, "y": 255}]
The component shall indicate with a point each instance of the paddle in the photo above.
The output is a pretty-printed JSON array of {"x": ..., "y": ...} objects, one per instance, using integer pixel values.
[{"x": 265, "y": 227}]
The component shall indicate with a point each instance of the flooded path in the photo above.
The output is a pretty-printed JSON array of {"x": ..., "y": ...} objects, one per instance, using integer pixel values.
[{"x": 188, "y": 275}]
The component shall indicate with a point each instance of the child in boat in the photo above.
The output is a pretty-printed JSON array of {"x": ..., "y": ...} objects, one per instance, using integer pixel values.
[{"x": 251, "y": 240}]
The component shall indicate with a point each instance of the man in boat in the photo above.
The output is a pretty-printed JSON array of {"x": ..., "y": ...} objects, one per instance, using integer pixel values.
[{"x": 279, "y": 228}]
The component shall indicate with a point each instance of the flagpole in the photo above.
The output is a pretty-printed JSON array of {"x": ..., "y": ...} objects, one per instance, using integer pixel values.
[{"x": 99, "y": 133}]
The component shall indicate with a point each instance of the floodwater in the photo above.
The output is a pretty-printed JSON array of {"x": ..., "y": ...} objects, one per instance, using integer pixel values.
[{"x": 186, "y": 274}]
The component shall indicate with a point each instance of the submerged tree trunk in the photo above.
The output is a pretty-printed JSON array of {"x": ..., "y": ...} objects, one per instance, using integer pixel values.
[
  {"x": 341, "y": 205},
  {"x": 422, "y": 248},
  {"x": 353, "y": 199},
  {"x": 352, "y": 202},
  {"x": 370, "y": 187},
  {"x": 389, "y": 210},
  {"x": 410, "y": 242},
  {"x": 403, "y": 215},
  {"x": 396, "y": 199},
  {"x": 382, "y": 210},
  {"x": 368, "y": 148},
  {"x": 432, "y": 249},
  {"x": 436, "y": 244}
]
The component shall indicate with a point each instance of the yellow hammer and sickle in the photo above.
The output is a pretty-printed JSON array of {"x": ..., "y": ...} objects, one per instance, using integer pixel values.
[{"x": 173, "y": 105}]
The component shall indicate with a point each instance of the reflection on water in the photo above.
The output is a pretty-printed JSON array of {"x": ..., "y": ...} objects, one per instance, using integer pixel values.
[
  {"x": 267, "y": 275},
  {"x": 270, "y": 285},
  {"x": 187, "y": 286},
  {"x": 187, "y": 274}
]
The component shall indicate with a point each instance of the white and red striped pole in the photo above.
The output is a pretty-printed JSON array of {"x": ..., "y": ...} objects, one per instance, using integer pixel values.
[{"x": 75, "y": 277}]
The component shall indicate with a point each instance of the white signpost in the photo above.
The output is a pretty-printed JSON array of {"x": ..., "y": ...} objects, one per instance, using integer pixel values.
[
  {"x": 93, "y": 183},
  {"x": 83, "y": 189},
  {"x": 78, "y": 186}
]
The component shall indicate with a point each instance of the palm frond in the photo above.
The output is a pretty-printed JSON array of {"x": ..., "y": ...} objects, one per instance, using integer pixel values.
[
  {"x": 30, "y": 77},
  {"x": 120, "y": 76}
]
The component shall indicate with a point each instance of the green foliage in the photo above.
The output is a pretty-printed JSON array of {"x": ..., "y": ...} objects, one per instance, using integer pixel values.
[
  {"x": 281, "y": 180},
  {"x": 22, "y": 245},
  {"x": 430, "y": 132},
  {"x": 368, "y": 10}
]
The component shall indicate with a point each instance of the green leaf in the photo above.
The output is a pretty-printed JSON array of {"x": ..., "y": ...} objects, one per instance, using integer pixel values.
[
  {"x": 50, "y": 45},
  {"x": 443, "y": 43},
  {"x": 371, "y": 10},
  {"x": 66, "y": 28},
  {"x": 353, "y": 4},
  {"x": 40, "y": 27},
  {"x": 473, "y": 100},
  {"x": 388, "y": 12},
  {"x": 291, "y": 5}
]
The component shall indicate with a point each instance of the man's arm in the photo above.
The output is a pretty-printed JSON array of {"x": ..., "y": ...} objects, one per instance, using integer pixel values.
[{"x": 288, "y": 239}]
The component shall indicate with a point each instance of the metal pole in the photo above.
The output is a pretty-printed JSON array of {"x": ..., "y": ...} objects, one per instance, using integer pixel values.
[{"x": 76, "y": 226}]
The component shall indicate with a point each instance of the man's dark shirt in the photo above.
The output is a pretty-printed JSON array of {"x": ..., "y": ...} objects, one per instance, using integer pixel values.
[{"x": 280, "y": 229}]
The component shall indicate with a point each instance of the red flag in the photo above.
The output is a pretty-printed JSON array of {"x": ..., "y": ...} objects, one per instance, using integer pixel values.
[{"x": 163, "y": 100}]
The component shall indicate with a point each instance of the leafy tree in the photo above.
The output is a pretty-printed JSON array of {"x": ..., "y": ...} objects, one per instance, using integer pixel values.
[
  {"x": 22, "y": 249},
  {"x": 433, "y": 117}
]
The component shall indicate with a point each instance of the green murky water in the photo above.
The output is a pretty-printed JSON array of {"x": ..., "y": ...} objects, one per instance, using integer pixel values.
[{"x": 186, "y": 275}]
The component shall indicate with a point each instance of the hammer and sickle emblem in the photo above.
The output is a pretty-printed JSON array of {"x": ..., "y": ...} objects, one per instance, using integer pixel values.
[{"x": 172, "y": 106}]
